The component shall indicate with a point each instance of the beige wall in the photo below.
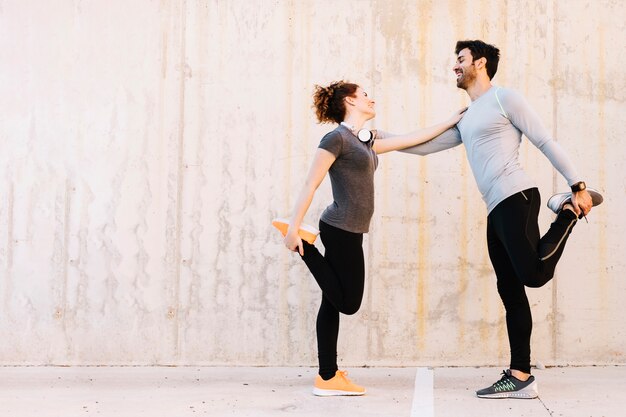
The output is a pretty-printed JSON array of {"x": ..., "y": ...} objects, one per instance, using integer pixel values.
[{"x": 146, "y": 145}]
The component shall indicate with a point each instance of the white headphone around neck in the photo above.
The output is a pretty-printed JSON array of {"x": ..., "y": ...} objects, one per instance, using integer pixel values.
[{"x": 364, "y": 135}]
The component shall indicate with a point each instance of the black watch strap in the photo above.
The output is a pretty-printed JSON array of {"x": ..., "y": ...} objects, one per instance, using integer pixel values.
[{"x": 579, "y": 186}]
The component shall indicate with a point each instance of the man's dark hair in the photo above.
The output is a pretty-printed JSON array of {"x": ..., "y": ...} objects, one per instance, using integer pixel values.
[{"x": 480, "y": 49}]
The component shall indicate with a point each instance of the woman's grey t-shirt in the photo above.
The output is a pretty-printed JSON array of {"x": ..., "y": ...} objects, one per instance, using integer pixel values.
[{"x": 351, "y": 179}]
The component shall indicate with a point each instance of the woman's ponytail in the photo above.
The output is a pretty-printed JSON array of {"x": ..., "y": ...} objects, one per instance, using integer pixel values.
[{"x": 329, "y": 101}]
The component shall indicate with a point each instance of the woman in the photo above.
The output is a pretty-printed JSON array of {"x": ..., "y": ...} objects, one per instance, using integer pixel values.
[{"x": 348, "y": 154}]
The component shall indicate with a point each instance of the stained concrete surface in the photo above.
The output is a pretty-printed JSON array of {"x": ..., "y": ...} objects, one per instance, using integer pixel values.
[
  {"x": 268, "y": 391},
  {"x": 146, "y": 145}
]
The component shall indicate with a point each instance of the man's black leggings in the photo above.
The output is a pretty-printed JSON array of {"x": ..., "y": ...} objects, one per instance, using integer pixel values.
[
  {"x": 521, "y": 257},
  {"x": 340, "y": 273}
]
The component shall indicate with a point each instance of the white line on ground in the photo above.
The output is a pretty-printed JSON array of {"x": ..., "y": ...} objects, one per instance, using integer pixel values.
[{"x": 423, "y": 395}]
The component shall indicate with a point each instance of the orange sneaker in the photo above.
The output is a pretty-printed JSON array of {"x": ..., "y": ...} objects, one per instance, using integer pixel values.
[
  {"x": 337, "y": 385},
  {"x": 306, "y": 232}
]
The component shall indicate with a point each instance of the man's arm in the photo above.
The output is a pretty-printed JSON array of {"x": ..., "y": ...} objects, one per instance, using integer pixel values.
[
  {"x": 448, "y": 139},
  {"x": 519, "y": 112}
]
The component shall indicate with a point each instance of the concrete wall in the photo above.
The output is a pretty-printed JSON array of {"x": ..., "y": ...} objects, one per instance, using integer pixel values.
[{"x": 146, "y": 145}]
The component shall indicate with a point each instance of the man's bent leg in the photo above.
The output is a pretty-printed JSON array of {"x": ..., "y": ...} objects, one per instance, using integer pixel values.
[
  {"x": 515, "y": 223},
  {"x": 551, "y": 245}
]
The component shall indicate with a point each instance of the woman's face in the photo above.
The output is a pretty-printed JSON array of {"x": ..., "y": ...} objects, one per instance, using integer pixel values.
[{"x": 363, "y": 103}]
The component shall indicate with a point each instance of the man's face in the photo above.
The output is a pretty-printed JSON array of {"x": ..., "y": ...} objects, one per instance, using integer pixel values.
[{"x": 464, "y": 69}]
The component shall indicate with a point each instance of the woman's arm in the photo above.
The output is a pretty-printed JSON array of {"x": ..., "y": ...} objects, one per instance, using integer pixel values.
[
  {"x": 321, "y": 164},
  {"x": 395, "y": 143}
]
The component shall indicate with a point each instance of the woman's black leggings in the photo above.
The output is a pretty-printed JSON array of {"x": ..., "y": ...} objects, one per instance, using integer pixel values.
[
  {"x": 520, "y": 257},
  {"x": 340, "y": 273}
]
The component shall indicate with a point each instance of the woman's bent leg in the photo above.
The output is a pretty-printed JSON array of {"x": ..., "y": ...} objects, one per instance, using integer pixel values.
[{"x": 340, "y": 272}]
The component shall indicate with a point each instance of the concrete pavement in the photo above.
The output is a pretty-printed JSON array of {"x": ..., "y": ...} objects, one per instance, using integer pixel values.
[{"x": 260, "y": 392}]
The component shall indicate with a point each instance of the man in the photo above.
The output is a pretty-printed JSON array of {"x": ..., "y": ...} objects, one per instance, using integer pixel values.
[{"x": 491, "y": 132}]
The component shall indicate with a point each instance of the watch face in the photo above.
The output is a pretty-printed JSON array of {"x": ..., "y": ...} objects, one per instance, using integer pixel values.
[{"x": 364, "y": 135}]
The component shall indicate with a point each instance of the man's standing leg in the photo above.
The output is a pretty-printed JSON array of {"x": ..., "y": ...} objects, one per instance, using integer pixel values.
[{"x": 518, "y": 324}]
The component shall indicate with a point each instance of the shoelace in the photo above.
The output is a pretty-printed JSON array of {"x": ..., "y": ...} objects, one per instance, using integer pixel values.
[
  {"x": 344, "y": 376},
  {"x": 504, "y": 382}
]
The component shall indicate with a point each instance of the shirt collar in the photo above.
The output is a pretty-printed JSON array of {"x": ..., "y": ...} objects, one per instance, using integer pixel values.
[{"x": 350, "y": 127}]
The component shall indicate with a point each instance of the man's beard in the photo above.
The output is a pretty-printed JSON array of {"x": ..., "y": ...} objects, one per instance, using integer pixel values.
[{"x": 465, "y": 79}]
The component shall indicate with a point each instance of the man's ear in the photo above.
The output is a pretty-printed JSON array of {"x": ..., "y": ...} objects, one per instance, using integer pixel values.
[{"x": 482, "y": 62}]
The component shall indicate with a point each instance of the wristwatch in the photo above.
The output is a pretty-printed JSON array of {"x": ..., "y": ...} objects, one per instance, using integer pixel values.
[{"x": 579, "y": 186}]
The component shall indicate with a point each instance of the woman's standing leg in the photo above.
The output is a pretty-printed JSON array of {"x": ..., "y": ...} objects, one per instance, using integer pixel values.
[
  {"x": 340, "y": 272},
  {"x": 327, "y": 328}
]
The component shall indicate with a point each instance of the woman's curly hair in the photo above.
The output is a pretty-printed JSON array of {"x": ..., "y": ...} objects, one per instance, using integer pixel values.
[{"x": 328, "y": 101}]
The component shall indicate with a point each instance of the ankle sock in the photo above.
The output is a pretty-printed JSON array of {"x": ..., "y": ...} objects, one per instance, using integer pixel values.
[{"x": 327, "y": 375}]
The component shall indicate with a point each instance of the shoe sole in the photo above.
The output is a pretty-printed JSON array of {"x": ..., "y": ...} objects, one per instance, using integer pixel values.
[
  {"x": 515, "y": 395},
  {"x": 596, "y": 197},
  {"x": 335, "y": 393},
  {"x": 306, "y": 232}
]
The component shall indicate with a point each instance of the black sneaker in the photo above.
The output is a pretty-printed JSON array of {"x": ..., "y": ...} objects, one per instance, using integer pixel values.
[{"x": 510, "y": 387}]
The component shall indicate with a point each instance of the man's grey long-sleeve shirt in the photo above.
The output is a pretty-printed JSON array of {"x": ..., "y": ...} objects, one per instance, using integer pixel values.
[{"x": 491, "y": 131}]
